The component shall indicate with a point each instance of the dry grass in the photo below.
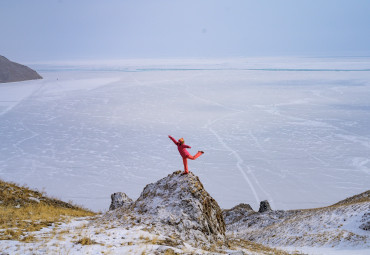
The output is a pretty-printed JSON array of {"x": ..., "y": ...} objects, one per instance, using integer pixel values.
[
  {"x": 169, "y": 251},
  {"x": 166, "y": 241},
  {"x": 86, "y": 241},
  {"x": 23, "y": 210},
  {"x": 359, "y": 198},
  {"x": 255, "y": 247},
  {"x": 154, "y": 240},
  {"x": 146, "y": 239}
]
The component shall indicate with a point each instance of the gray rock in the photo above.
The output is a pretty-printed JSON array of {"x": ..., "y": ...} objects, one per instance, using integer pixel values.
[
  {"x": 237, "y": 213},
  {"x": 264, "y": 206},
  {"x": 119, "y": 199},
  {"x": 11, "y": 71},
  {"x": 366, "y": 220},
  {"x": 181, "y": 203},
  {"x": 235, "y": 253},
  {"x": 165, "y": 250},
  {"x": 365, "y": 226}
]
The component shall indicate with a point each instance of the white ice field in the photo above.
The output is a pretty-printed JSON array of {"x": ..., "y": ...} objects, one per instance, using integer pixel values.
[{"x": 293, "y": 131}]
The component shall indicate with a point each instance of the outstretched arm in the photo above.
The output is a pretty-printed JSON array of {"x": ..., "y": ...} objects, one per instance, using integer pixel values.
[
  {"x": 173, "y": 139},
  {"x": 187, "y": 146}
]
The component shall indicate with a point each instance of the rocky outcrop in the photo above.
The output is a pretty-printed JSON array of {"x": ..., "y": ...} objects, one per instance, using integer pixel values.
[
  {"x": 119, "y": 199},
  {"x": 264, "y": 206},
  {"x": 244, "y": 212},
  {"x": 180, "y": 212},
  {"x": 11, "y": 71},
  {"x": 237, "y": 213},
  {"x": 243, "y": 216},
  {"x": 176, "y": 206},
  {"x": 333, "y": 225},
  {"x": 182, "y": 202}
]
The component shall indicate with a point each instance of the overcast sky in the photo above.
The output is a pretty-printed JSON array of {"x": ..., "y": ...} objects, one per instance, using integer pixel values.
[{"x": 107, "y": 29}]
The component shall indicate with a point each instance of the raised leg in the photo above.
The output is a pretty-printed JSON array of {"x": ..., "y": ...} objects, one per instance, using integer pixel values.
[{"x": 196, "y": 155}]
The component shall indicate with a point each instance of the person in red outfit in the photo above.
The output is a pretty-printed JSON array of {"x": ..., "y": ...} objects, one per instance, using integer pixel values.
[{"x": 181, "y": 146}]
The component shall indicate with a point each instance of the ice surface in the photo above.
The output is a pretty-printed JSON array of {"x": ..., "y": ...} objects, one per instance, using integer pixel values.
[{"x": 292, "y": 131}]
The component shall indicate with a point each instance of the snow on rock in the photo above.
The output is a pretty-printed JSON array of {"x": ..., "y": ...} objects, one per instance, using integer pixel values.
[
  {"x": 181, "y": 201},
  {"x": 119, "y": 199},
  {"x": 177, "y": 205},
  {"x": 34, "y": 199}
]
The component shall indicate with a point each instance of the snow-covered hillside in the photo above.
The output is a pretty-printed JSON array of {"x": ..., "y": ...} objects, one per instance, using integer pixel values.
[
  {"x": 344, "y": 225},
  {"x": 176, "y": 215}
]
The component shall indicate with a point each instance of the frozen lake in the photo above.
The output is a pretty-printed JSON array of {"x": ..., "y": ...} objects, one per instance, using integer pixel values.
[{"x": 293, "y": 131}]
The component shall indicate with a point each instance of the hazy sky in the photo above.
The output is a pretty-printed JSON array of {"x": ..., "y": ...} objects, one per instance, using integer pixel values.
[{"x": 96, "y": 29}]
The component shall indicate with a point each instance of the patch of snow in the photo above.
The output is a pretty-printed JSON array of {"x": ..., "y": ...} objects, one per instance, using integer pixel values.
[{"x": 34, "y": 199}]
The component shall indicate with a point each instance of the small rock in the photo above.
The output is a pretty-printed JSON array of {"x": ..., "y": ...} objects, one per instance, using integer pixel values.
[
  {"x": 235, "y": 253},
  {"x": 241, "y": 211},
  {"x": 165, "y": 250},
  {"x": 365, "y": 226},
  {"x": 264, "y": 206},
  {"x": 366, "y": 220},
  {"x": 119, "y": 199}
]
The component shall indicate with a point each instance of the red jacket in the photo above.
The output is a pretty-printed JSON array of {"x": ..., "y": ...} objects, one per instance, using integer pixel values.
[{"x": 181, "y": 147}]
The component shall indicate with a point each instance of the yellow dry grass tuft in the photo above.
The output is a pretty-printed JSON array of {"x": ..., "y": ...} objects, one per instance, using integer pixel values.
[{"x": 86, "y": 241}]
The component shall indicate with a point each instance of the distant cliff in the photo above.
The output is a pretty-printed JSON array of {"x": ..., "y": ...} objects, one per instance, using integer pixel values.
[{"x": 11, "y": 71}]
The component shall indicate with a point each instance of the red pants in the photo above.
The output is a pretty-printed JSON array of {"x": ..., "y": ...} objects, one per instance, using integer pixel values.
[{"x": 185, "y": 160}]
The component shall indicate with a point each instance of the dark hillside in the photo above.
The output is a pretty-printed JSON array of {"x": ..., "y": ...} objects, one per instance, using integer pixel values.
[{"x": 11, "y": 71}]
